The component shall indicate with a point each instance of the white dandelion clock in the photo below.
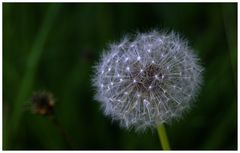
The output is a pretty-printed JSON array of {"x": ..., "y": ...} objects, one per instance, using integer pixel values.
[{"x": 146, "y": 80}]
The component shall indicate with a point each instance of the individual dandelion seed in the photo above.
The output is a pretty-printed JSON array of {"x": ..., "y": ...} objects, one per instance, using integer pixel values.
[{"x": 147, "y": 79}]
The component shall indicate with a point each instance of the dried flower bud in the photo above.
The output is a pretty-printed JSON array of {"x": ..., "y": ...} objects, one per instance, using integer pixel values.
[
  {"x": 42, "y": 103},
  {"x": 148, "y": 79}
]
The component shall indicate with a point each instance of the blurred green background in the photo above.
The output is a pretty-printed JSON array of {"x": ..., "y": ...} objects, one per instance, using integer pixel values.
[{"x": 54, "y": 46}]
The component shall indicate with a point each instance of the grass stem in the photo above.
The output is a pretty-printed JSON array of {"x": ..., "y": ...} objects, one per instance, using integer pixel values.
[{"x": 27, "y": 82}]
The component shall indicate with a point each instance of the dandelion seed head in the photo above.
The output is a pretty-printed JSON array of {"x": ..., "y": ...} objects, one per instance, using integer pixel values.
[{"x": 155, "y": 79}]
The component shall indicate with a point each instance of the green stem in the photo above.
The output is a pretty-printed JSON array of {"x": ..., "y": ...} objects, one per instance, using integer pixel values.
[
  {"x": 63, "y": 131},
  {"x": 163, "y": 137},
  {"x": 30, "y": 73}
]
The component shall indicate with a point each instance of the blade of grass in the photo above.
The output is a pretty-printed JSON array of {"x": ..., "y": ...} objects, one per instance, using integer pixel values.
[
  {"x": 230, "y": 25},
  {"x": 217, "y": 137},
  {"x": 30, "y": 71}
]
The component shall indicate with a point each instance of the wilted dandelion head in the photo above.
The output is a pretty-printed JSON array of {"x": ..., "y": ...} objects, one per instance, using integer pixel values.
[
  {"x": 42, "y": 103},
  {"x": 148, "y": 79}
]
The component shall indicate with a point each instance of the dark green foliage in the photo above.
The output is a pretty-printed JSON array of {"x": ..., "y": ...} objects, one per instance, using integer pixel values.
[{"x": 54, "y": 46}]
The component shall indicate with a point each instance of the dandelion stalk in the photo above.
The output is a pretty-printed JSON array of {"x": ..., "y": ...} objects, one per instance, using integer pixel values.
[
  {"x": 163, "y": 137},
  {"x": 64, "y": 133}
]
